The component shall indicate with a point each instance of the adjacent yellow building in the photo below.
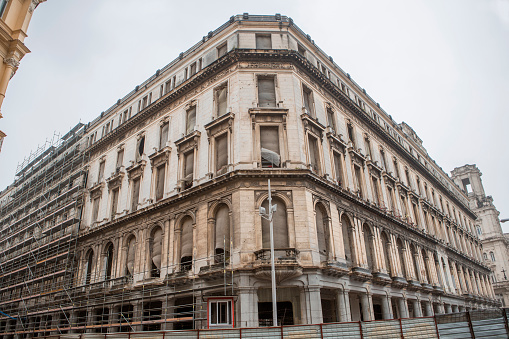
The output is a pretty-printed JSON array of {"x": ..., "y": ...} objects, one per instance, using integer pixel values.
[{"x": 15, "y": 16}]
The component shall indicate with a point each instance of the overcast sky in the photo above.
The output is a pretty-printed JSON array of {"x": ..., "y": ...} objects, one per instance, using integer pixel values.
[{"x": 440, "y": 66}]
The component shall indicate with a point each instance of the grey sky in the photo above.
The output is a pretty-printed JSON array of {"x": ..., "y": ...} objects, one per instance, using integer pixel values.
[{"x": 440, "y": 66}]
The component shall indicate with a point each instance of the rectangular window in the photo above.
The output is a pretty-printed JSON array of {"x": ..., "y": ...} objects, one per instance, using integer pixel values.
[
  {"x": 266, "y": 92},
  {"x": 144, "y": 102},
  {"x": 367, "y": 145},
  {"x": 314, "y": 155},
  {"x": 100, "y": 177},
  {"x": 160, "y": 174},
  {"x": 167, "y": 86},
  {"x": 263, "y": 41},
  {"x": 188, "y": 169},
  {"x": 351, "y": 135},
  {"x": 220, "y": 313},
  {"x": 163, "y": 135},
  {"x": 95, "y": 209},
  {"x": 221, "y": 50},
  {"x": 404, "y": 209},
  {"x": 140, "y": 149},
  {"x": 221, "y": 144},
  {"x": 136, "y": 194},
  {"x": 338, "y": 169},
  {"x": 301, "y": 50},
  {"x": 382, "y": 159},
  {"x": 120, "y": 159},
  {"x": 193, "y": 69},
  {"x": 416, "y": 213},
  {"x": 307, "y": 97},
  {"x": 376, "y": 193},
  {"x": 391, "y": 202},
  {"x": 466, "y": 185},
  {"x": 114, "y": 202},
  {"x": 190, "y": 119},
  {"x": 221, "y": 95},
  {"x": 269, "y": 143},
  {"x": 358, "y": 180},
  {"x": 331, "y": 119},
  {"x": 396, "y": 168}
]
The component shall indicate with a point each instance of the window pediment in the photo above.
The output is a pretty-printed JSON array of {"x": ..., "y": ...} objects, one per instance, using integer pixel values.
[
  {"x": 115, "y": 180},
  {"x": 274, "y": 115},
  {"x": 336, "y": 142},
  {"x": 312, "y": 125},
  {"x": 402, "y": 187},
  {"x": 136, "y": 170},
  {"x": 356, "y": 156},
  {"x": 374, "y": 168},
  {"x": 189, "y": 141},
  {"x": 220, "y": 124},
  {"x": 159, "y": 157},
  {"x": 96, "y": 190}
]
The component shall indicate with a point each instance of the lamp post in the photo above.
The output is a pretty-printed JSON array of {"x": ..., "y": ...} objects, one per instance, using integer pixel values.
[{"x": 268, "y": 216}]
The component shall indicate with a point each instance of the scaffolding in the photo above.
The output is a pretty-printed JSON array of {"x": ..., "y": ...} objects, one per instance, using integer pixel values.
[{"x": 39, "y": 223}]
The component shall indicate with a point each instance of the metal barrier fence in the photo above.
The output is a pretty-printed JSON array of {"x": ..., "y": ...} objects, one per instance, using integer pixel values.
[{"x": 491, "y": 324}]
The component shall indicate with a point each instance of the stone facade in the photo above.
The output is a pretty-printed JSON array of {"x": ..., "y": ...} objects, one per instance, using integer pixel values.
[{"x": 495, "y": 242}]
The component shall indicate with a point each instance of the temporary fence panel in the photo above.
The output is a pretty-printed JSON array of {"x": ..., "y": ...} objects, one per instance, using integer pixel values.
[
  {"x": 257, "y": 333},
  {"x": 342, "y": 330},
  {"x": 453, "y": 326},
  {"x": 302, "y": 332},
  {"x": 488, "y": 324},
  {"x": 419, "y": 328},
  {"x": 220, "y": 334},
  {"x": 387, "y": 329}
]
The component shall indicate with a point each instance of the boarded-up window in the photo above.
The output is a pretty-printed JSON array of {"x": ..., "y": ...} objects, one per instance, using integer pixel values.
[
  {"x": 338, "y": 169},
  {"x": 114, "y": 202},
  {"x": 186, "y": 249},
  {"x": 221, "y": 154},
  {"x": 263, "y": 41},
  {"x": 140, "y": 148},
  {"x": 190, "y": 119},
  {"x": 345, "y": 232},
  {"x": 136, "y": 194},
  {"x": 358, "y": 180},
  {"x": 120, "y": 159},
  {"x": 101, "y": 171},
  {"x": 95, "y": 209},
  {"x": 280, "y": 225},
  {"x": 221, "y": 100},
  {"x": 314, "y": 155},
  {"x": 160, "y": 174},
  {"x": 131, "y": 253},
  {"x": 163, "y": 135},
  {"x": 269, "y": 142},
  {"x": 222, "y": 50},
  {"x": 307, "y": 96},
  {"x": 156, "y": 243},
  {"x": 331, "y": 119},
  {"x": 368, "y": 243},
  {"x": 188, "y": 169},
  {"x": 266, "y": 92},
  {"x": 222, "y": 233},
  {"x": 386, "y": 251},
  {"x": 322, "y": 230}
]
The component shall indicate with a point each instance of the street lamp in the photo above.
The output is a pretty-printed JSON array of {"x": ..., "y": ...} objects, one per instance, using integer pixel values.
[{"x": 268, "y": 216}]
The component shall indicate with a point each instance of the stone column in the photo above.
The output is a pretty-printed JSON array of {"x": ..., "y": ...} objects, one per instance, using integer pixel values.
[
  {"x": 428, "y": 308},
  {"x": 417, "y": 308},
  {"x": 440, "y": 308},
  {"x": 403, "y": 307},
  {"x": 448, "y": 308},
  {"x": 367, "y": 309},
  {"x": 386, "y": 307},
  {"x": 343, "y": 305},
  {"x": 455, "y": 309},
  {"x": 314, "y": 304},
  {"x": 248, "y": 307}
]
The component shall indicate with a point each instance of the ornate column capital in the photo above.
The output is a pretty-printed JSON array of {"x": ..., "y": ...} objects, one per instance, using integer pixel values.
[
  {"x": 12, "y": 62},
  {"x": 33, "y": 5}
]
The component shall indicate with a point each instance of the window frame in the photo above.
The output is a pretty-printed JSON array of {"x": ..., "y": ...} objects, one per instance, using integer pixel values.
[
  {"x": 272, "y": 76},
  {"x": 214, "y": 302}
]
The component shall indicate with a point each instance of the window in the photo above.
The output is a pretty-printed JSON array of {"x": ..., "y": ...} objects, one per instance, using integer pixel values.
[
  {"x": 160, "y": 175},
  {"x": 386, "y": 250},
  {"x": 130, "y": 257},
  {"x": 221, "y": 95},
  {"x": 192, "y": 69},
  {"x": 188, "y": 169},
  {"x": 88, "y": 266},
  {"x": 100, "y": 176},
  {"x": 163, "y": 135},
  {"x": 222, "y": 50},
  {"x": 407, "y": 175},
  {"x": 418, "y": 181},
  {"x": 144, "y": 102},
  {"x": 136, "y": 194},
  {"x": 186, "y": 244},
  {"x": 155, "y": 248},
  {"x": 479, "y": 230},
  {"x": 404, "y": 207},
  {"x": 114, "y": 202},
  {"x": 307, "y": 98},
  {"x": 485, "y": 256},
  {"x": 269, "y": 142},
  {"x": 396, "y": 168},
  {"x": 346, "y": 232},
  {"x": 338, "y": 168},
  {"x": 314, "y": 155},
  {"x": 3, "y": 4},
  {"x": 416, "y": 213},
  {"x": 280, "y": 225},
  {"x": 376, "y": 191},
  {"x": 266, "y": 91},
  {"x": 492, "y": 255},
  {"x": 263, "y": 41},
  {"x": 220, "y": 313},
  {"x": 222, "y": 234},
  {"x": 108, "y": 268},
  {"x": 221, "y": 156},
  {"x": 322, "y": 230},
  {"x": 351, "y": 136},
  {"x": 95, "y": 209},
  {"x": 120, "y": 159},
  {"x": 301, "y": 50},
  {"x": 401, "y": 249},
  {"x": 383, "y": 162},
  {"x": 331, "y": 120},
  {"x": 358, "y": 181},
  {"x": 167, "y": 86},
  {"x": 367, "y": 145},
  {"x": 368, "y": 243},
  {"x": 140, "y": 148},
  {"x": 190, "y": 119},
  {"x": 466, "y": 185}
]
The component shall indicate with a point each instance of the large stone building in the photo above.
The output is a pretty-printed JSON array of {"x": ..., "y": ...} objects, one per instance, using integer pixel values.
[
  {"x": 495, "y": 242},
  {"x": 15, "y": 16},
  {"x": 367, "y": 225}
]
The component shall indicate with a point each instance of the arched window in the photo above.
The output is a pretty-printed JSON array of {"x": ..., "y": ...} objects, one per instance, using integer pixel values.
[
  {"x": 426, "y": 269},
  {"x": 368, "y": 242},
  {"x": 280, "y": 225},
  {"x": 345, "y": 231},
  {"x": 88, "y": 266},
  {"x": 131, "y": 253},
  {"x": 386, "y": 250},
  {"x": 186, "y": 244},
  {"x": 222, "y": 234},
  {"x": 415, "y": 263},
  {"x": 156, "y": 243},
  {"x": 108, "y": 262},
  {"x": 485, "y": 256},
  {"x": 492, "y": 255},
  {"x": 401, "y": 253},
  {"x": 322, "y": 230}
]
